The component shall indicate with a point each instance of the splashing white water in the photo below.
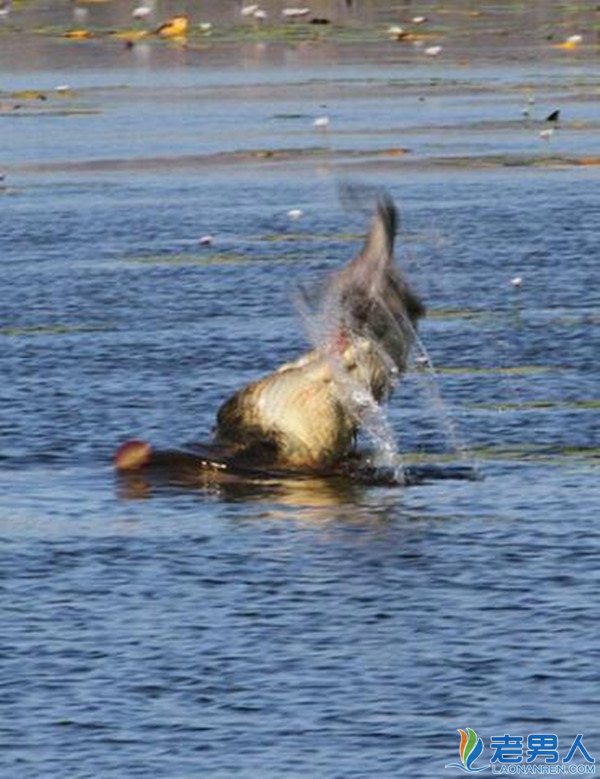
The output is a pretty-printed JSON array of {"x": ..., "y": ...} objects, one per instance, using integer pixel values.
[{"x": 321, "y": 324}]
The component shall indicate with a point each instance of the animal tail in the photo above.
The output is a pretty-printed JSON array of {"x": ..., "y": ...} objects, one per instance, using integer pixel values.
[{"x": 379, "y": 243}]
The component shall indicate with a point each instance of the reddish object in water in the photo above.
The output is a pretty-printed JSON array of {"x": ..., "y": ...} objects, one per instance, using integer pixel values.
[
  {"x": 133, "y": 455},
  {"x": 192, "y": 466}
]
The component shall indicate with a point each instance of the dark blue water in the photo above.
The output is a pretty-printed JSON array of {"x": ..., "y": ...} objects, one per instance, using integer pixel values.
[{"x": 304, "y": 627}]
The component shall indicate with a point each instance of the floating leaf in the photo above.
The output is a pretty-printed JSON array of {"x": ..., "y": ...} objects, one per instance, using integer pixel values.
[
  {"x": 28, "y": 94},
  {"x": 78, "y": 35}
]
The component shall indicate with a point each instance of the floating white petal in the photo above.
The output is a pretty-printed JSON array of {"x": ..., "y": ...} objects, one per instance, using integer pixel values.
[
  {"x": 141, "y": 12},
  {"x": 295, "y": 13}
]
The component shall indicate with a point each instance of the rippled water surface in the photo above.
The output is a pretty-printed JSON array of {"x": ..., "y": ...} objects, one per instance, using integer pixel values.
[{"x": 295, "y": 628}]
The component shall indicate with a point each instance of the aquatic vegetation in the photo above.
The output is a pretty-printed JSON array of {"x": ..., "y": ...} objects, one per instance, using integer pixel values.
[
  {"x": 129, "y": 35},
  {"x": 205, "y": 258},
  {"x": 294, "y": 237},
  {"x": 456, "y": 313},
  {"x": 514, "y": 370},
  {"x": 18, "y": 112},
  {"x": 59, "y": 101},
  {"x": 528, "y": 405},
  {"x": 175, "y": 27},
  {"x": 513, "y": 160},
  {"x": 78, "y": 34},
  {"x": 54, "y": 329},
  {"x": 571, "y": 43},
  {"x": 278, "y": 32},
  {"x": 28, "y": 94},
  {"x": 547, "y": 453}
]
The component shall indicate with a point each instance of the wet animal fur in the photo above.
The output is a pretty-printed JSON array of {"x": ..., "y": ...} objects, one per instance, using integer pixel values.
[{"x": 306, "y": 414}]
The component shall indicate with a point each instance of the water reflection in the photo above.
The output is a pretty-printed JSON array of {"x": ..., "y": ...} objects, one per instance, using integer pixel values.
[
  {"x": 304, "y": 500},
  {"x": 310, "y": 491},
  {"x": 323, "y": 500}
]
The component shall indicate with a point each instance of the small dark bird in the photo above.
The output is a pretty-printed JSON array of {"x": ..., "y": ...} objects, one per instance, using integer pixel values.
[{"x": 554, "y": 116}]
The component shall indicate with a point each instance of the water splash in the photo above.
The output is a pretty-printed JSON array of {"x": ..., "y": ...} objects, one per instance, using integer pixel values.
[
  {"x": 322, "y": 324},
  {"x": 424, "y": 368},
  {"x": 362, "y": 321}
]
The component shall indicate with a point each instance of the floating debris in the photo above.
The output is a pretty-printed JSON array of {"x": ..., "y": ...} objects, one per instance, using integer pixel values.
[
  {"x": 130, "y": 36},
  {"x": 419, "y": 19},
  {"x": 141, "y": 12},
  {"x": 295, "y": 213},
  {"x": 572, "y": 42},
  {"x": 432, "y": 51},
  {"x": 80, "y": 14},
  {"x": 396, "y": 31},
  {"x": 204, "y": 259},
  {"x": 516, "y": 281},
  {"x": 78, "y": 34},
  {"x": 295, "y": 13},
  {"x": 547, "y": 134},
  {"x": 321, "y": 122},
  {"x": 249, "y": 10},
  {"x": 28, "y": 94},
  {"x": 206, "y": 240},
  {"x": 132, "y": 454},
  {"x": 55, "y": 329},
  {"x": 174, "y": 27}
]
